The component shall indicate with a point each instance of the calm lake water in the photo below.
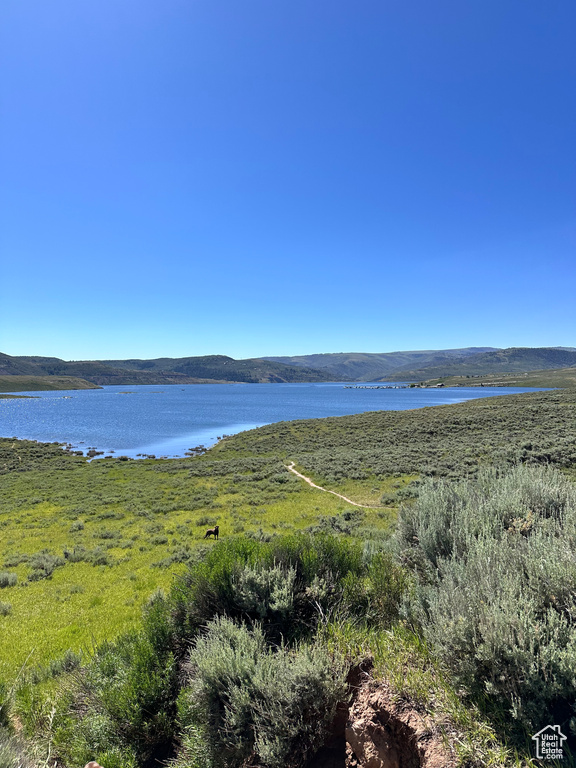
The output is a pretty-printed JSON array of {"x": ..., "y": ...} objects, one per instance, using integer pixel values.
[{"x": 168, "y": 420}]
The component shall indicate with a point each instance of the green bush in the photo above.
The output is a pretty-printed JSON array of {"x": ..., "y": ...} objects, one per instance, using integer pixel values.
[
  {"x": 94, "y": 737},
  {"x": 99, "y": 557},
  {"x": 12, "y": 560},
  {"x": 206, "y": 520},
  {"x": 8, "y": 579},
  {"x": 253, "y": 700},
  {"x": 265, "y": 592},
  {"x": 43, "y": 564},
  {"x": 56, "y": 667},
  {"x": 498, "y": 596},
  {"x": 106, "y": 534},
  {"x": 252, "y": 580},
  {"x": 194, "y": 751},
  {"x": 77, "y": 555},
  {"x": 122, "y": 709},
  {"x": 5, "y": 609},
  {"x": 378, "y": 596},
  {"x": 347, "y": 522},
  {"x": 447, "y": 517},
  {"x": 137, "y": 687}
]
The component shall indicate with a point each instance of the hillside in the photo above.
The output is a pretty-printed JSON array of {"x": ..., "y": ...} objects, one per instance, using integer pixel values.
[
  {"x": 560, "y": 378},
  {"x": 43, "y": 383},
  {"x": 368, "y": 366},
  {"x": 417, "y": 365},
  {"x": 512, "y": 360},
  {"x": 343, "y": 451},
  {"x": 187, "y": 370},
  {"x": 223, "y": 368},
  {"x": 18, "y": 366}
]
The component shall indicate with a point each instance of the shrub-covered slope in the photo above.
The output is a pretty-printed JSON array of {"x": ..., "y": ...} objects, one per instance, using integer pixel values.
[
  {"x": 186, "y": 370},
  {"x": 514, "y": 359},
  {"x": 447, "y": 440},
  {"x": 369, "y": 366}
]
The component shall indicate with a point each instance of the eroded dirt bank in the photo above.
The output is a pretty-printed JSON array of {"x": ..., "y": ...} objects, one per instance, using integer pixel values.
[{"x": 378, "y": 730}]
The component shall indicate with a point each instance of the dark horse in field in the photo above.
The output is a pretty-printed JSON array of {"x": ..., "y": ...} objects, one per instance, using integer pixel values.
[{"x": 212, "y": 532}]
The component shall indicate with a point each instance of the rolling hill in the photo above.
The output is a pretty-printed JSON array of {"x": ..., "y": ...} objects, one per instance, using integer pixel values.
[
  {"x": 223, "y": 368},
  {"x": 560, "y": 378},
  {"x": 512, "y": 360},
  {"x": 369, "y": 366},
  {"x": 187, "y": 370},
  {"x": 416, "y": 365}
]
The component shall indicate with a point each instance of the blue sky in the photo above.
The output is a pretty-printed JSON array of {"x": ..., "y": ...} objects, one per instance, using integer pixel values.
[{"x": 251, "y": 178}]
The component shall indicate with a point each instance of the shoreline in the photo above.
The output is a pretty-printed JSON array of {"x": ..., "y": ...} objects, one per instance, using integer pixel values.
[{"x": 200, "y": 440}]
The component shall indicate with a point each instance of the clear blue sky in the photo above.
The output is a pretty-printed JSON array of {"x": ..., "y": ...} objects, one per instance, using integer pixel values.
[{"x": 185, "y": 177}]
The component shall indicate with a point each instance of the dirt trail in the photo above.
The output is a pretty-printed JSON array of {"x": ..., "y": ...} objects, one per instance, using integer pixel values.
[{"x": 326, "y": 490}]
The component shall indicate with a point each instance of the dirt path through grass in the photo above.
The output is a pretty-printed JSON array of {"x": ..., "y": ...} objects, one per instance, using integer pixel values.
[{"x": 290, "y": 468}]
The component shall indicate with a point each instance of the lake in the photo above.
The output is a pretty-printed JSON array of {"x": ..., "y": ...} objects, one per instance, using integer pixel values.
[{"x": 169, "y": 420}]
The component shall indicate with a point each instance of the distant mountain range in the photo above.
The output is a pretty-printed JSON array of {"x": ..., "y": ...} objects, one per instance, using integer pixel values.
[
  {"x": 512, "y": 360},
  {"x": 417, "y": 365},
  {"x": 369, "y": 366},
  {"x": 431, "y": 364},
  {"x": 184, "y": 370}
]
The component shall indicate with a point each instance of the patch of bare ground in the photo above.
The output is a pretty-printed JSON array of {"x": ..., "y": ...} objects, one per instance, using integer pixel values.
[
  {"x": 383, "y": 732},
  {"x": 378, "y": 730}
]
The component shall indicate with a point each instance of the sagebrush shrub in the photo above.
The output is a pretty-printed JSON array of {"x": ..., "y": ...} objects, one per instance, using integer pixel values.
[
  {"x": 123, "y": 705},
  {"x": 498, "y": 596},
  {"x": 43, "y": 564},
  {"x": 206, "y": 520},
  {"x": 253, "y": 699},
  {"x": 265, "y": 591},
  {"x": 274, "y": 582},
  {"x": 8, "y": 579}
]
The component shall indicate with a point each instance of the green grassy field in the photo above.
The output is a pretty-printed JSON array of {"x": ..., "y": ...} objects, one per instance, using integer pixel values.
[{"x": 90, "y": 541}]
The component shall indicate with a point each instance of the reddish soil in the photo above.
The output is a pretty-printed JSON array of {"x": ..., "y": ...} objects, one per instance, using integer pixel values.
[{"x": 378, "y": 730}]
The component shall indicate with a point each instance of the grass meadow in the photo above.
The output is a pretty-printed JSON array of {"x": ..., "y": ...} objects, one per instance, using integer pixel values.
[{"x": 90, "y": 541}]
